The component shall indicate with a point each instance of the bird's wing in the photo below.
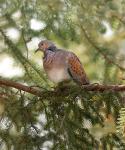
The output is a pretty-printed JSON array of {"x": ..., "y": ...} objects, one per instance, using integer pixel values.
[{"x": 76, "y": 70}]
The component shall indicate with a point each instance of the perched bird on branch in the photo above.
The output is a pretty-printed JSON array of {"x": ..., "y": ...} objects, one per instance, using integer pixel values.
[{"x": 61, "y": 65}]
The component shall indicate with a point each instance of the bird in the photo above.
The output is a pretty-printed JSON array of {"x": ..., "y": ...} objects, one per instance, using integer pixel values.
[{"x": 61, "y": 65}]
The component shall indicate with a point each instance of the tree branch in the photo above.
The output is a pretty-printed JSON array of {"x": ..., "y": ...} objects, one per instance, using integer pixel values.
[
  {"x": 102, "y": 88},
  {"x": 20, "y": 86},
  {"x": 37, "y": 92}
]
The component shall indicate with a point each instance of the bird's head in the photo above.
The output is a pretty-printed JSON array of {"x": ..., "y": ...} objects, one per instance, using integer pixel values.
[{"x": 45, "y": 45}]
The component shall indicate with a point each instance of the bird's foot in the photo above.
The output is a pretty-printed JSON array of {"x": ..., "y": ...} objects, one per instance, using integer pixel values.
[{"x": 62, "y": 86}]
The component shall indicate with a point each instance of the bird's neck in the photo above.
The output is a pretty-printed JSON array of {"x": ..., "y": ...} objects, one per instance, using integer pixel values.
[
  {"x": 49, "y": 52},
  {"x": 52, "y": 48}
]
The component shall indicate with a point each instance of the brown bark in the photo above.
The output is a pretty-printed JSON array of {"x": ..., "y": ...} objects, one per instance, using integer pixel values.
[
  {"x": 102, "y": 88},
  {"x": 37, "y": 92},
  {"x": 20, "y": 86}
]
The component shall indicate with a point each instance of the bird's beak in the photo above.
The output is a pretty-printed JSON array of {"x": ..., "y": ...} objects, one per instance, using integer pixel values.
[{"x": 37, "y": 50}]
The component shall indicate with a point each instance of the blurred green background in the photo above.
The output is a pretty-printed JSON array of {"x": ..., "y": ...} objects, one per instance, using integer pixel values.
[{"x": 95, "y": 31}]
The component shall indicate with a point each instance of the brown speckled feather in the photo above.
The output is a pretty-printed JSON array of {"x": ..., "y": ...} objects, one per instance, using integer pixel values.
[{"x": 76, "y": 70}]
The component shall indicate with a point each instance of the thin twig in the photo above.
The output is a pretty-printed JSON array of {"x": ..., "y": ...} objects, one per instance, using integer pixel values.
[
  {"x": 106, "y": 57},
  {"x": 25, "y": 42},
  {"x": 118, "y": 17}
]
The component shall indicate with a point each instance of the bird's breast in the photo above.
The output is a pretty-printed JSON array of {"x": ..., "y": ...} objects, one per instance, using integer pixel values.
[
  {"x": 55, "y": 67},
  {"x": 57, "y": 74}
]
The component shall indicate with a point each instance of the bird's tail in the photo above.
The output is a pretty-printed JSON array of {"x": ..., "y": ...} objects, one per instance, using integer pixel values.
[{"x": 85, "y": 81}]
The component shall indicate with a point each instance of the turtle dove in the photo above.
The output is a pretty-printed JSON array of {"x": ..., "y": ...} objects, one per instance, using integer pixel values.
[{"x": 61, "y": 65}]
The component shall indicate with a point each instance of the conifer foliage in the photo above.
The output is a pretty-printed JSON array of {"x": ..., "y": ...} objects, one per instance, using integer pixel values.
[{"x": 33, "y": 113}]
